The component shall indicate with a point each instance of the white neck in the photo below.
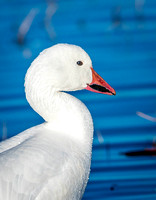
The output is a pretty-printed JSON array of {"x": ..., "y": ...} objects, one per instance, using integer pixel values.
[{"x": 66, "y": 115}]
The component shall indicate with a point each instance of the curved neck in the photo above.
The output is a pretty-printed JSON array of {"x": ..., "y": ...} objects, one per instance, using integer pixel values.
[{"x": 66, "y": 115}]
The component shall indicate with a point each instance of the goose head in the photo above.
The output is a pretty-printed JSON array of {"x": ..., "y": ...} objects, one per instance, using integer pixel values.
[
  {"x": 65, "y": 67},
  {"x": 62, "y": 67}
]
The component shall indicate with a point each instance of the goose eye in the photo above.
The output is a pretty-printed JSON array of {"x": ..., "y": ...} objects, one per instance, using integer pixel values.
[{"x": 79, "y": 63}]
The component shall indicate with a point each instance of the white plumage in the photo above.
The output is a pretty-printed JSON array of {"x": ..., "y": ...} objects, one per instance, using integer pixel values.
[{"x": 51, "y": 161}]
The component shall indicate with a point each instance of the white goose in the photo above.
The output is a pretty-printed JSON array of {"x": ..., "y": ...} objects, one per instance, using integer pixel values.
[{"x": 51, "y": 161}]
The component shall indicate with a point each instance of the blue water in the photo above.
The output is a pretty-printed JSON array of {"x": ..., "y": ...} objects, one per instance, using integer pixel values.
[{"x": 120, "y": 37}]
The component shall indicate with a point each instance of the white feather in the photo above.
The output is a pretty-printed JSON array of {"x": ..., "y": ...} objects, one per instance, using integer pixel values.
[{"x": 51, "y": 161}]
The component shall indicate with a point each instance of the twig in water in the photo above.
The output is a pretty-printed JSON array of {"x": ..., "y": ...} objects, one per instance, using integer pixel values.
[
  {"x": 100, "y": 137},
  {"x": 25, "y": 25},
  {"x": 148, "y": 117},
  {"x": 50, "y": 11},
  {"x": 4, "y": 131}
]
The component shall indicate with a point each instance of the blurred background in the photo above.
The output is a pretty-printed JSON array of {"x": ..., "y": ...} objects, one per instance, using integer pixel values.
[{"x": 120, "y": 37}]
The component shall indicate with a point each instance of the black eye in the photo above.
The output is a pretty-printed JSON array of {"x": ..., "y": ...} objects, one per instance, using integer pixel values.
[{"x": 79, "y": 63}]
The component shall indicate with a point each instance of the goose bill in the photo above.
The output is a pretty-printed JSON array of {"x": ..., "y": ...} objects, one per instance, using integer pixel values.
[{"x": 99, "y": 85}]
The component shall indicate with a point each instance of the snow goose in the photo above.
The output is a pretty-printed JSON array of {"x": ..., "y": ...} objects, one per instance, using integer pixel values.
[{"x": 51, "y": 161}]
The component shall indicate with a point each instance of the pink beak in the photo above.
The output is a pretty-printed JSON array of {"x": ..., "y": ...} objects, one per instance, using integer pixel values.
[{"x": 99, "y": 85}]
